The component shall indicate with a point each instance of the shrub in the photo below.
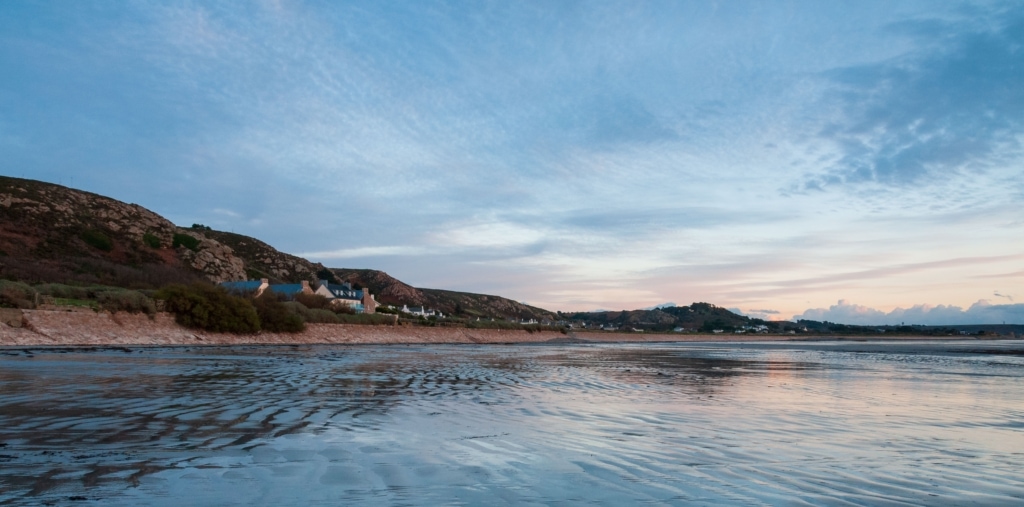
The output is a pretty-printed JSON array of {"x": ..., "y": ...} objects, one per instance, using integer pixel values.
[
  {"x": 326, "y": 274},
  {"x": 16, "y": 295},
  {"x": 342, "y": 309},
  {"x": 313, "y": 315},
  {"x": 151, "y": 240},
  {"x": 59, "y": 290},
  {"x": 313, "y": 301},
  {"x": 131, "y": 301},
  {"x": 186, "y": 241},
  {"x": 274, "y": 316},
  {"x": 210, "y": 308},
  {"x": 98, "y": 240}
]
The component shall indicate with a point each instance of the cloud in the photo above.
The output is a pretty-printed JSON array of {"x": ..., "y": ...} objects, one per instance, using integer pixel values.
[
  {"x": 954, "y": 105},
  {"x": 663, "y": 305},
  {"x": 1007, "y": 296},
  {"x": 366, "y": 251},
  {"x": 764, "y": 314},
  {"x": 981, "y": 312}
]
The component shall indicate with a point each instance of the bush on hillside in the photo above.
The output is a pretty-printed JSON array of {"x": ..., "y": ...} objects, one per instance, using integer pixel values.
[
  {"x": 275, "y": 316},
  {"x": 121, "y": 300},
  {"x": 112, "y": 299},
  {"x": 59, "y": 290},
  {"x": 187, "y": 241},
  {"x": 16, "y": 295},
  {"x": 204, "y": 306},
  {"x": 326, "y": 274},
  {"x": 151, "y": 240},
  {"x": 98, "y": 240}
]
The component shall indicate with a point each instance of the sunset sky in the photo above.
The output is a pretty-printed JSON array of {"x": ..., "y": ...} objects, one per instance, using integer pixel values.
[{"x": 859, "y": 162}]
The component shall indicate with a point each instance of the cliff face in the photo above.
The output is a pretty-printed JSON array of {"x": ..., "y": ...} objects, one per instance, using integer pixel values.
[{"x": 51, "y": 233}]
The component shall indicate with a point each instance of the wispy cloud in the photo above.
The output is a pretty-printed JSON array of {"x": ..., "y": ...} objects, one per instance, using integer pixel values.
[
  {"x": 365, "y": 252},
  {"x": 1004, "y": 296},
  {"x": 945, "y": 109}
]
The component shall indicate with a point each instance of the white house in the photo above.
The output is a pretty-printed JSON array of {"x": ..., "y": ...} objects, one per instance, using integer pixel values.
[{"x": 359, "y": 300}]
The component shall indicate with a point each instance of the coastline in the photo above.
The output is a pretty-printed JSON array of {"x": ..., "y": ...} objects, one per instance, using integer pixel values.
[{"x": 48, "y": 328}]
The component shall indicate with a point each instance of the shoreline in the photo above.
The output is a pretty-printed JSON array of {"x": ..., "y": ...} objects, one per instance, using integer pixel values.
[{"x": 49, "y": 328}]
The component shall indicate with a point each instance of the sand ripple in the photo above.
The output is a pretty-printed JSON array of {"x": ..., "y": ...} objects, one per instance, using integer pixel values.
[{"x": 735, "y": 424}]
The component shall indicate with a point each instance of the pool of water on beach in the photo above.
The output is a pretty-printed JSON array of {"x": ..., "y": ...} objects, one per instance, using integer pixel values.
[{"x": 923, "y": 423}]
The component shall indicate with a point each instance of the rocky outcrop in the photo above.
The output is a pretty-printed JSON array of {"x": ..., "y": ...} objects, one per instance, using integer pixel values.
[
  {"x": 265, "y": 261},
  {"x": 216, "y": 261}
]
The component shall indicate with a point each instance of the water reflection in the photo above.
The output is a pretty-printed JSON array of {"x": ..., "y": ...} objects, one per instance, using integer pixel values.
[{"x": 534, "y": 424}]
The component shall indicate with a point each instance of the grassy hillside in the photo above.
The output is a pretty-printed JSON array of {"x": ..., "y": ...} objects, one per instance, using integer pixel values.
[{"x": 51, "y": 233}]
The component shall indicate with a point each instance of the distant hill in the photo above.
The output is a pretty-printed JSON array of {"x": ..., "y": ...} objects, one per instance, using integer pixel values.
[{"x": 696, "y": 317}]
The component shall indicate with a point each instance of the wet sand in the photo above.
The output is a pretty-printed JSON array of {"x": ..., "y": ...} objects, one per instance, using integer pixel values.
[
  {"x": 62, "y": 329},
  {"x": 829, "y": 423}
]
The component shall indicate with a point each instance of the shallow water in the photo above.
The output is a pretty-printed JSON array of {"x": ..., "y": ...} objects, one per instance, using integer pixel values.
[{"x": 736, "y": 424}]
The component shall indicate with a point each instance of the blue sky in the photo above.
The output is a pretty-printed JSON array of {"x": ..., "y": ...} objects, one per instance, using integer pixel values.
[{"x": 834, "y": 160}]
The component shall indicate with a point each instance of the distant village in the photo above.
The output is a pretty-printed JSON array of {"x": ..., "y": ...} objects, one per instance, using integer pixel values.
[
  {"x": 362, "y": 301},
  {"x": 358, "y": 300}
]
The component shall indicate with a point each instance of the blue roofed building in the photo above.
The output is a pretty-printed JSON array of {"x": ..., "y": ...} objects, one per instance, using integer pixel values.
[
  {"x": 289, "y": 290},
  {"x": 247, "y": 287},
  {"x": 256, "y": 288}
]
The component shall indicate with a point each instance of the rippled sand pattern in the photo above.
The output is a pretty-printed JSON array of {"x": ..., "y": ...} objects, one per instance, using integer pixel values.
[{"x": 693, "y": 424}]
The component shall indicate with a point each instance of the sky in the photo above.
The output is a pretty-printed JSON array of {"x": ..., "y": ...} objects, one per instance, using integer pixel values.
[{"x": 857, "y": 162}]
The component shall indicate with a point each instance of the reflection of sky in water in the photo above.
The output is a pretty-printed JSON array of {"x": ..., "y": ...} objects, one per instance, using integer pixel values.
[{"x": 770, "y": 423}]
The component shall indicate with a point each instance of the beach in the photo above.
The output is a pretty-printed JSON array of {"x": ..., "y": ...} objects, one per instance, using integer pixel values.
[{"x": 89, "y": 329}]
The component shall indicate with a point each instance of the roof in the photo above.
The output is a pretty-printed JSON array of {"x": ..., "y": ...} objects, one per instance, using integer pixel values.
[
  {"x": 344, "y": 291},
  {"x": 287, "y": 288},
  {"x": 246, "y": 286}
]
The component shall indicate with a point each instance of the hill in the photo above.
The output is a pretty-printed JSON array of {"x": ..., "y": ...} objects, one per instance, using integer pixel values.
[
  {"x": 696, "y": 317},
  {"x": 52, "y": 233}
]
